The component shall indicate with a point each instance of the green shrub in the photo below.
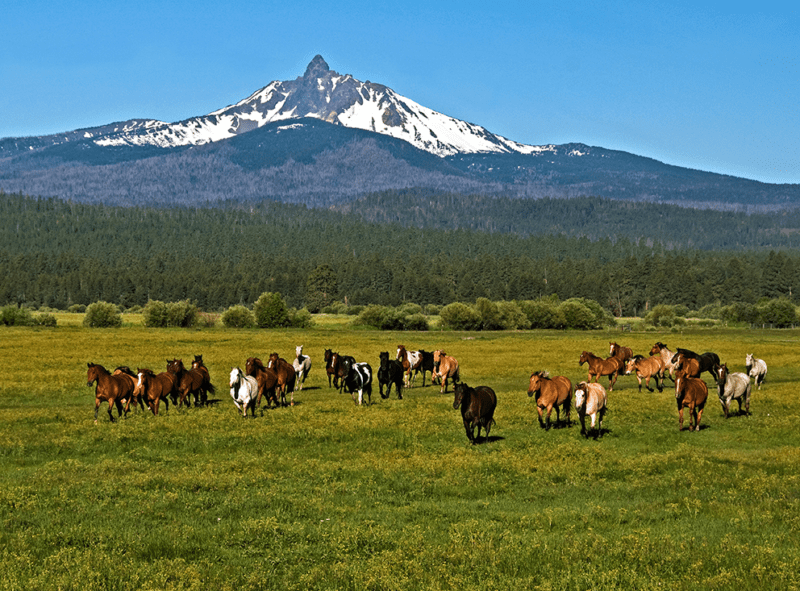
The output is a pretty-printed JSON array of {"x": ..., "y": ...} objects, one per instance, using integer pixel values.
[
  {"x": 102, "y": 315},
  {"x": 238, "y": 317},
  {"x": 661, "y": 315},
  {"x": 270, "y": 311},
  {"x": 543, "y": 313},
  {"x": 578, "y": 316},
  {"x": 511, "y": 316},
  {"x": 458, "y": 316},
  {"x": 300, "y": 318},
  {"x": 415, "y": 322},
  {"x": 739, "y": 312},
  {"x": 182, "y": 314},
  {"x": 487, "y": 310},
  {"x": 77, "y": 308},
  {"x": 387, "y": 318},
  {"x": 433, "y": 310},
  {"x": 45, "y": 320},
  {"x": 12, "y": 315},
  {"x": 780, "y": 312}
]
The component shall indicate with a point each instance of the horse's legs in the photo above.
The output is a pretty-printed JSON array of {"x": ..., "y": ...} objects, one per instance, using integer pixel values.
[
  {"x": 549, "y": 410},
  {"x": 541, "y": 414},
  {"x": 680, "y": 417},
  {"x": 111, "y": 406}
]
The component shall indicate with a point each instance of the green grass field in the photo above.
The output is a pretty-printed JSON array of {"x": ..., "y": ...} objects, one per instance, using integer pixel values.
[{"x": 327, "y": 495}]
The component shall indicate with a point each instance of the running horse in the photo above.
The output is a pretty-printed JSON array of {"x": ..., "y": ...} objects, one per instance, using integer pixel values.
[
  {"x": 154, "y": 388},
  {"x": 444, "y": 367},
  {"x": 190, "y": 381},
  {"x": 661, "y": 350},
  {"x": 690, "y": 393},
  {"x": 266, "y": 378},
  {"x": 115, "y": 389},
  {"x": 599, "y": 367},
  {"x": 411, "y": 360},
  {"x": 646, "y": 367},
  {"x": 302, "y": 365},
  {"x": 328, "y": 357},
  {"x": 199, "y": 366},
  {"x": 550, "y": 392},
  {"x": 705, "y": 362},
  {"x": 623, "y": 353},
  {"x": 286, "y": 376}
]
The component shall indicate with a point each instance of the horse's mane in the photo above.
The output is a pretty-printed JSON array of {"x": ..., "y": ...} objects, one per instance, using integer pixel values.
[
  {"x": 638, "y": 357},
  {"x": 125, "y": 369},
  {"x": 148, "y": 372}
]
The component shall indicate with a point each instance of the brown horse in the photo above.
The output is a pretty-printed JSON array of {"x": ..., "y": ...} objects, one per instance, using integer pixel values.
[
  {"x": 341, "y": 365},
  {"x": 550, "y": 392},
  {"x": 444, "y": 367},
  {"x": 266, "y": 378},
  {"x": 115, "y": 389},
  {"x": 690, "y": 393},
  {"x": 198, "y": 365},
  {"x": 690, "y": 366},
  {"x": 598, "y": 367},
  {"x": 189, "y": 382},
  {"x": 286, "y": 376},
  {"x": 155, "y": 388},
  {"x": 623, "y": 353},
  {"x": 125, "y": 371},
  {"x": 647, "y": 367},
  {"x": 477, "y": 408},
  {"x": 661, "y": 350},
  {"x": 328, "y": 356}
]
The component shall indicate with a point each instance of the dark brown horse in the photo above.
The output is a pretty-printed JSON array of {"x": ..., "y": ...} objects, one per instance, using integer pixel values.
[
  {"x": 198, "y": 365},
  {"x": 598, "y": 367},
  {"x": 266, "y": 378},
  {"x": 328, "y": 356},
  {"x": 341, "y": 365},
  {"x": 126, "y": 371},
  {"x": 115, "y": 389},
  {"x": 286, "y": 376},
  {"x": 444, "y": 367},
  {"x": 477, "y": 408},
  {"x": 189, "y": 382},
  {"x": 646, "y": 367},
  {"x": 690, "y": 393},
  {"x": 155, "y": 388},
  {"x": 550, "y": 392}
]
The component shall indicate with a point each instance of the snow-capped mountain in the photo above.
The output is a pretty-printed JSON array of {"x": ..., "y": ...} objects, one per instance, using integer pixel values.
[{"x": 324, "y": 94}]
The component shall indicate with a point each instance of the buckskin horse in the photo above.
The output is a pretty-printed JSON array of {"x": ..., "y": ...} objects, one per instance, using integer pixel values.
[
  {"x": 550, "y": 392},
  {"x": 646, "y": 367},
  {"x": 112, "y": 388},
  {"x": 444, "y": 367},
  {"x": 598, "y": 367},
  {"x": 477, "y": 408}
]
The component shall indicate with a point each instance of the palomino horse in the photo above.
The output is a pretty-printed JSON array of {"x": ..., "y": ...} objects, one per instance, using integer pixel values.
[
  {"x": 705, "y": 362},
  {"x": 647, "y": 367},
  {"x": 690, "y": 393},
  {"x": 244, "y": 391},
  {"x": 444, "y": 367},
  {"x": 598, "y": 367},
  {"x": 114, "y": 389},
  {"x": 154, "y": 388},
  {"x": 622, "y": 353},
  {"x": 266, "y": 378},
  {"x": 756, "y": 369},
  {"x": 477, "y": 409},
  {"x": 189, "y": 381},
  {"x": 302, "y": 365},
  {"x": 411, "y": 360},
  {"x": 732, "y": 386},
  {"x": 390, "y": 372},
  {"x": 661, "y": 350},
  {"x": 591, "y": 399},
  {"x": 286, "y": 376},
  {"x": 550, "y": 392}
]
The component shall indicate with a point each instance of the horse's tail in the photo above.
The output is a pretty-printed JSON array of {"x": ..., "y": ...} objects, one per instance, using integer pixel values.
[
  {"x": 456, "y": 375},
  {"x": 210, "y": 387}
]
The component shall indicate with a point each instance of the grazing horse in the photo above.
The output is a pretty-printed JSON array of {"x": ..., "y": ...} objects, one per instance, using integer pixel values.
[
  {"x": 199, "y": 366},
  {"x": 390, "y": 372},
  {"x": 705, "y": 362},
  {"x": 598, "y": 367},
  {"x": 328, "y": 357},
  {"x": 477, "y": 408},
  {"x": 622, "y": 353},
  {"x": 244, "y": 391},
  {"x": 302, "y": 365},
  {"x": 411, "y": 361},
  {"x": 154, "y": 388},
  {"x": 690, "y": 393},
  {"x": 112, "y": 388},
  {"x": 444, "y": 367},
  {"x": 666, "y": 355},
  {"x": 647, "y": 367},
  {"x": 357, "y": 378},
  {"x": 591, "y": 399},
  {"x": 756, "y": 368},
  {"x": 286, "y": 376},
  {"x": 189, "y": 382},
  {"x": 732, "y": 386},
  {"x": 550, "y": 392},
  {"x": 266, "y": 378}
]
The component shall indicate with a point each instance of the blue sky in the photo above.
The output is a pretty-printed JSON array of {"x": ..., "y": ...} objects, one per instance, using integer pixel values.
[{"x": 706, "y": 85}]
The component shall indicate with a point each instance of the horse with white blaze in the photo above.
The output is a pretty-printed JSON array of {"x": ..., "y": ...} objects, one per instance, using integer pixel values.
[{"x": 591, "y": 399}]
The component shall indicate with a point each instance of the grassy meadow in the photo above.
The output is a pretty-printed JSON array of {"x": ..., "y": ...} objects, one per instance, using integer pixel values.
[{"x": 327, "y": 495}]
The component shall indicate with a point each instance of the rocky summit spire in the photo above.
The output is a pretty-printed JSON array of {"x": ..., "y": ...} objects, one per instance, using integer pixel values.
[{"x": 317, "y": 68}]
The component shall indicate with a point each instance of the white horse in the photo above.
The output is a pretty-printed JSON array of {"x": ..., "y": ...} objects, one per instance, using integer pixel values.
[
  {"x": 756, "y": 368},
  {"x": 244, "y": 391},
  {"x": 591, "y": 399},
  {"x": 732, "y": 386},
  {"x": 302, "y": 365}
]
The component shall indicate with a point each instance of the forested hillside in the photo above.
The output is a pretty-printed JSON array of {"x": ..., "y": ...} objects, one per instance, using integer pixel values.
[{"x": 57, "y": 253}]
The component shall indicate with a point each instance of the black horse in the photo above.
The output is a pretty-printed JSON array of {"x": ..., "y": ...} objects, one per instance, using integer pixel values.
[
  {"x": 391, "y": 372},
  {"x": 426, "y": 365},
  {"x": 477, "y": 408}
]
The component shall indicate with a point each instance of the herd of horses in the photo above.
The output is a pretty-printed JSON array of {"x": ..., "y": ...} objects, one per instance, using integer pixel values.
[{"x": 278, "y": 378}]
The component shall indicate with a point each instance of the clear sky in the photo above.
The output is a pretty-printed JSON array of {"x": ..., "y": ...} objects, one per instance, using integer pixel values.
[{"x": 707, "y": 85}]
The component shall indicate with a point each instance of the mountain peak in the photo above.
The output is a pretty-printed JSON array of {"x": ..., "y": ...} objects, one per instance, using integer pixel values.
[{"x": 317, "y": 68}]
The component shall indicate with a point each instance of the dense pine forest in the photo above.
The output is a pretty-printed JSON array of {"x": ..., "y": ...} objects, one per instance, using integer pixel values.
[{"x": 56, "y": 253}]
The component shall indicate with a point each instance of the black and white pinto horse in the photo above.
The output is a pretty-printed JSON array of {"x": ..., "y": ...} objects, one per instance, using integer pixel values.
[
  {"x": 244, "y": 391},
  {"x": 732, "y": 386},
  {"x": 756, "y": 368},
  {"x": 357, "y": 378},
  {"x": 302, "y": 365},
  {"x": 390, "y": 372}
]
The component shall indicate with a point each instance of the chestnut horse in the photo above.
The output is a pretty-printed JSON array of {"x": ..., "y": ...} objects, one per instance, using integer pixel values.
[
  {"x": 598, "y": 367},
  {"x": 189, "y": 382},
  {"x": 550, "y": 392},
  {"x": 198, "y": 365},
  {"x": 444, "y": 367},
  {"x": 286, "y": 376},
  {"x": 690, "y": 393},
  {"x": 647, "y": 367},
  {"x": 266, "y": 378},
  {"x": 154, "y": 388},
  {"x": 477, "y": 408},
  {"x": 115, "y": 389},
  {"x": 623, "y": 353}
]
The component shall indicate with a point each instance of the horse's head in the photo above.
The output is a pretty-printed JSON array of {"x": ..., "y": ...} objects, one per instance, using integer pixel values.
[
  {"x": 298, "y": 351},
  {"x": 401, "y": 352},
  {"x": 657, "y": 348},
  {"x": 235, "y": 377},
  {"x": 142, "y": 375},
  {"x": 94, "y": 372},
  {"x": 460, "y": 390},
  {"x": 584, "y": 358},
  {"x": 536, "y": 382},
  {"x": 581, "y": 393},
  {"x": 327, "y": 355},
  {"x": 273, "y": 361},
  {"x": 252, "y": 364},
  {"x": 721, "y": 373},
  {"x": 630, "y": 366},
  {"x": 198, "y": 361},
  {"x": 748, "y": 361},
  {"x": 612, "y": 349},
  {"x": 384, "y": 359},
  {"x": 346, "y": 364}
]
